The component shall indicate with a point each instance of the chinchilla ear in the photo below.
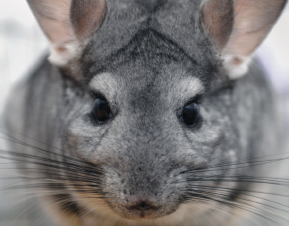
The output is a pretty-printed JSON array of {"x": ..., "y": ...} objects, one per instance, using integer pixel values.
[
  {"x": 68, "y": 24},
  {"x": 238, "y": 27}
]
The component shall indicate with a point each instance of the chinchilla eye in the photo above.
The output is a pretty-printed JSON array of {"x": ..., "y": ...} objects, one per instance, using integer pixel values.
[
  {"x": 101, "y": 110},
  {"x": 190, "y": 114}
]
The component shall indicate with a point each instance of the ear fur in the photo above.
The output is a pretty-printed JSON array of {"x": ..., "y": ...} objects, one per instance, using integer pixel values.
[
  {"x": 67, "y": 24},
  {"x": 252, "y": 21}
]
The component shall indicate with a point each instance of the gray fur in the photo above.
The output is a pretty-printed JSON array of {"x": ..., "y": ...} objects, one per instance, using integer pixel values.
[{"x": 148, "y": 60}]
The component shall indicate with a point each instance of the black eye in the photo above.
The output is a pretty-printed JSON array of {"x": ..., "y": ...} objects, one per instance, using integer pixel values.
[
  {"x": 101, "y": 110},
  {"x": 190, "y": 114}
]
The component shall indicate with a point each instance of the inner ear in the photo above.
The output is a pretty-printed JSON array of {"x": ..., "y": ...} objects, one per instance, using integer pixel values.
[
  {"x": 86, "y": 16},
  {"x": 218, "y": 18},
  {"x": 68, "y": 24},
  {"x": 238, "y": 27},
  {"x": 254, "y": 20}
]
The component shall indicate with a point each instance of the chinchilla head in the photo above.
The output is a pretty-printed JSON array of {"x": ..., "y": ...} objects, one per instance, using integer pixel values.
[{"x": 158, "y": 104}]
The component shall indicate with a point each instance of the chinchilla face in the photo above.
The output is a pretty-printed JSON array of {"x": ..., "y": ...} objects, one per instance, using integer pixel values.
[
  {"x": 157, "y": 115},
  {"x": 147, "y": 146}
]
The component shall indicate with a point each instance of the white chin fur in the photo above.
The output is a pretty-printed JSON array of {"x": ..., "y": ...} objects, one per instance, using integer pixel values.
[
  {"x": 61, "y": 56},
  {"x": 237, "y": 66}
]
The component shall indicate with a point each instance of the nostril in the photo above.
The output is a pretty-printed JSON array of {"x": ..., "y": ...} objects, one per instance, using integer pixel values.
[{"x": 144, "y": 206}]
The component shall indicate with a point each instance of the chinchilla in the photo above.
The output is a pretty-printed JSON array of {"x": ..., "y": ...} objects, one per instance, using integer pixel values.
[{"x": 150, "y": 112}]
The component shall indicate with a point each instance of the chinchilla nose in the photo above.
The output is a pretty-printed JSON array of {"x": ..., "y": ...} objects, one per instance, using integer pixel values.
[{"x": 143, "y": 208}]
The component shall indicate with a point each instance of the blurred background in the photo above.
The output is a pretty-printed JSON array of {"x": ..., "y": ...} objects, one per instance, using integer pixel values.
[{"x": 22, "y": 44}]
